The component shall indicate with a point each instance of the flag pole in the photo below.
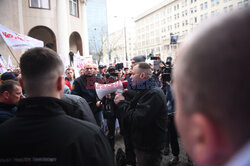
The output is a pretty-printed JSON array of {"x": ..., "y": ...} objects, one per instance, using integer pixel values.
[
  {"x": 10, "y": 51},
  {"x": 12, "y": 54}
]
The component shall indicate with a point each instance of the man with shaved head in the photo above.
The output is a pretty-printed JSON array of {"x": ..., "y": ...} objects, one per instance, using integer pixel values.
[
  {"x": 41, "y": 133},
  {"x": 212, "y": 90},
  {"x": 84, "y": 86}
]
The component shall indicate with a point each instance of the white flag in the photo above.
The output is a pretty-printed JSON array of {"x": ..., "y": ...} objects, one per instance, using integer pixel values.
[
  {"x": 10, "y": 65},
  {"x": 18, "y": 41},
  {"x": 3, "y": 65}
]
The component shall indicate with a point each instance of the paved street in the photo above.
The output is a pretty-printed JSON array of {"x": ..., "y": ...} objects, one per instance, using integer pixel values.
[{"x": 183, "y": 157}]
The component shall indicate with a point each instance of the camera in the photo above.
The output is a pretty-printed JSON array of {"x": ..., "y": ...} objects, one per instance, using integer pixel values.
[
  {"x": 166, "y": 70},
  {"x": 119, "y": 66}
]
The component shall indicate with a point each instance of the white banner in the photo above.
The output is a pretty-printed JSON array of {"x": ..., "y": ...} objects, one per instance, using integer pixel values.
[{"x": 18, "y": 41}]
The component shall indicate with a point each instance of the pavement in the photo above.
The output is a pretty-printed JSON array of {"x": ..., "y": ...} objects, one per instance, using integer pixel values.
[{"x": 183, "y": 159}]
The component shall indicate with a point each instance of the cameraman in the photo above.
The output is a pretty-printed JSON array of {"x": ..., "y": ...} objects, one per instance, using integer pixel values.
[
  {"x": 109, "y": 106},
  {"x": 145, "y": 116}
]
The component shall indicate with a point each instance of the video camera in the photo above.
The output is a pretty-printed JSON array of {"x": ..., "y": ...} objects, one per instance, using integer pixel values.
[
  {"x": 119, "y": 66},
  {"x": 111, "y": 72},
  {"x": 165, "y": 69}
]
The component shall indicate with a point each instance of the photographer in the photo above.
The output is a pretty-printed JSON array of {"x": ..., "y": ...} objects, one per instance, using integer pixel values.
[
  {"x": 145, "y": 116},
  {"x": 109, "y": 106}
]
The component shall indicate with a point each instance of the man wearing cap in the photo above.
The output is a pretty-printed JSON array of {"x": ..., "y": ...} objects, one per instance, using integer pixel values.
[{"x": 8, "y": 76}]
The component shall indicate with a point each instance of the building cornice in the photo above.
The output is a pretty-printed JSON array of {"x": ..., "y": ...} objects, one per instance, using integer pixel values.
[{"x": 154, "y": 9}]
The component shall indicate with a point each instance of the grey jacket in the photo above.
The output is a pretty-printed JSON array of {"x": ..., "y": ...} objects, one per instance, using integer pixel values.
[{"x": 80, "y": 110}]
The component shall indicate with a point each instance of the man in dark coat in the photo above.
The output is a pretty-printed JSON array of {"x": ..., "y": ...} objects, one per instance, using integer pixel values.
[
  {"x": 10, "y": 94},
  {"x": 84, "y": 86},
  {"x": 145, "y": 116},
  {"x": 42, "y": 133}
]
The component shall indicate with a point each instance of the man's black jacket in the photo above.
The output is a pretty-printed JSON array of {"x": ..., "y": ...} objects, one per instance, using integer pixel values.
[
  {"x": 42, "y": 134},
  {"x": 84, "y": 86},
  {"x": 145, "y": 117}
]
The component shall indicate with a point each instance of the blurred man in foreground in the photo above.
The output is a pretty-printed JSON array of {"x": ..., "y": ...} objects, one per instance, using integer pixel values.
[
  {"x": 41, "y": 133},
  {"x": 212, "y": 93}
]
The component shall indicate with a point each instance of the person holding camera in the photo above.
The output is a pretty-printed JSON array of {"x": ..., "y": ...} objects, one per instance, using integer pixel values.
[
  {"x": 145, "y": 116},
  {"x": 109, "y": 107}
]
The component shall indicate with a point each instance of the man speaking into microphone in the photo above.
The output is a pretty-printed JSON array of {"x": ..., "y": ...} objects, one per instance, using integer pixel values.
[{"x": 145, "y": 116}]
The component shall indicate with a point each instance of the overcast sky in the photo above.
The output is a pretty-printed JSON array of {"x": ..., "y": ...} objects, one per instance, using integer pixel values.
[{"x": 125, "y": 10}]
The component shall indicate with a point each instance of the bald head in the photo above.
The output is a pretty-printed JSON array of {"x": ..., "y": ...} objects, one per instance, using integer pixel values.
[
  {"x": 212, "y": 76},
  {"x": 88, "y": 69}
]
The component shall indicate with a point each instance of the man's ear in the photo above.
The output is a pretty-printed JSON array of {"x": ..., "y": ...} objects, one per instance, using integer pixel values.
[
  {"x": 206, "y": 138},
  {"x": 60, "y": 83},
  {"x": 142, "y": 75},
  {"x": 5, "y": 95}
]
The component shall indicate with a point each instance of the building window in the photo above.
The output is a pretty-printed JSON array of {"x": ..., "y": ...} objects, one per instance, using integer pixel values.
[
  {"x": 246, "y": 3},
  {"x": 217, "y": 2},
  {"x": 225, "y": 1},
  {"x": 225, "y": 9},
  {"x": 205, "y": 5},
  {"x": 205, "y": 16},
  {"x": 195, "y": 20},
  {"x": 212, "y": 13},
  {"x": 212, "y": 2},
  {"x": 239, "y": 5},
  {"x": 73, "y": 7},
  {"x": 42, "y": 4},
  {"x": 201, "y": 6},
  {"x": 231, "y": 8}
]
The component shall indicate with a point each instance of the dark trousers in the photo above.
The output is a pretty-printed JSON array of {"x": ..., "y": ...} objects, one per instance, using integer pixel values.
[
  {"x": 172, "y": 137},
  {"x": 129, "y": 151},
  {"x": 98, "y": 119},
  {"x": 148, "y": 158},
  {"x": 111, "y": 130}
]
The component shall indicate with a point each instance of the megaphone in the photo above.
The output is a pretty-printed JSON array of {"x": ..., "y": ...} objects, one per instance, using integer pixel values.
[{"x": 104, "y": 89}]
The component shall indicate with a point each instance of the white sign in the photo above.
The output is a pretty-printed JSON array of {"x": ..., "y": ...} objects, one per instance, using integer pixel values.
[{"x": 18, "y": 41}]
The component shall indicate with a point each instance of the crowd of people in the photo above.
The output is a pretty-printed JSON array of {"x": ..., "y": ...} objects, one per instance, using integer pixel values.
[{"x": 49, "y": 117}]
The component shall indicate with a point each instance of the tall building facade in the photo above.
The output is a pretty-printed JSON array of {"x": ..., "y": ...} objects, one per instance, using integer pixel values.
[
  {"x": 60, "y": 24},
  {"x": 97, "y": 27},
  {"x": 177, "y": 17}
]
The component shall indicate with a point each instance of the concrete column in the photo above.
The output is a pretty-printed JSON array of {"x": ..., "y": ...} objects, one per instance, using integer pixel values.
[
  {"x": 85, "y": 39},
  {"x": 62, "y": 31}
]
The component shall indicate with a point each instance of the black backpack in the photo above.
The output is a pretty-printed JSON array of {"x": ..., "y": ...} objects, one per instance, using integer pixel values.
[{"x": 120, "y": 158}]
